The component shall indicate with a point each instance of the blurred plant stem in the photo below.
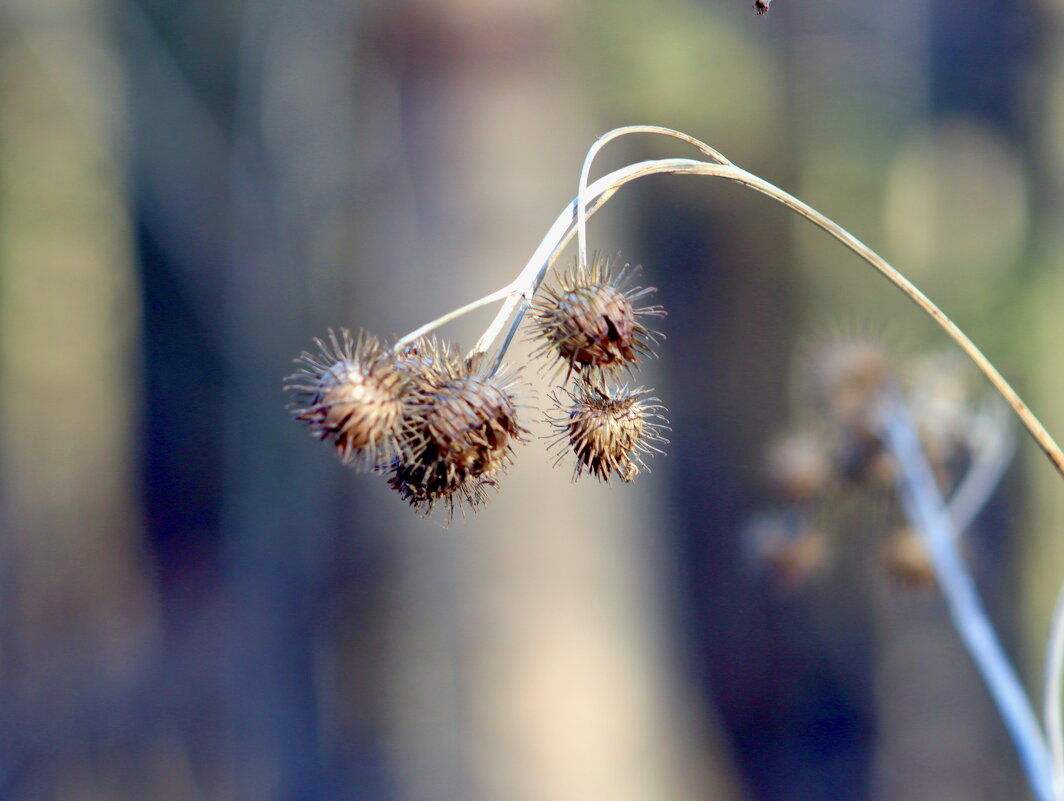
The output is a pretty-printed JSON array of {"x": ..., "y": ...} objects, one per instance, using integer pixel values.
[{"x": 930, "y": 517}]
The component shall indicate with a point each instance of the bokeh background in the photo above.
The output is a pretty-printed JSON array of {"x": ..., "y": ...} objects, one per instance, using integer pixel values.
[{"x": 198, "y": 602}]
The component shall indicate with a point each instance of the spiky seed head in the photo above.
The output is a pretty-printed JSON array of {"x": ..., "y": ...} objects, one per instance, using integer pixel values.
[
  {"x": 349, "y": 393},
  {"x": 592, "y": 320},
  {"x": 794, "y": 561},
  {"x": 849, "y": 378},
  {"x": 429, "y": 362},
  {"x": 938, "y": 389},
  {"x": 608, "y": 431},
  {"x": 458, "y": 437},
  {"x": 799, "y": 465}
]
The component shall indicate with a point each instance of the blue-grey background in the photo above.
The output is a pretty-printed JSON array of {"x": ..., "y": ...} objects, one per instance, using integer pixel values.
[{"x": 198, "y": 602}]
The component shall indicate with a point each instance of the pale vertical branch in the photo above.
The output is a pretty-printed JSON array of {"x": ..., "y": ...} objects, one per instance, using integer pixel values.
[
  {"x": 927, "y": 511},
  {"x": 1054, "y": 678}
]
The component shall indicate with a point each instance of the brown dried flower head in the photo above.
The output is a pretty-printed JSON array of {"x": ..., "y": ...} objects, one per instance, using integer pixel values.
[
  {"x": 609, "y": 432},
  {"x": 458, "y": 434},
  {"x": 426, "y": 364},
  {"x": 591, "y": 321},
  {"x": 799, "y": 466},
  {"x": 939, "y": 391},
  {"x": 350, "y": 394},
  {"x": 849, "y": 379},
  {"x": 908, "y": 560}
]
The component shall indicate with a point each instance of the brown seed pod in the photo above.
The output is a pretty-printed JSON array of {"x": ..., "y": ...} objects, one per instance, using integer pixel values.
[
  {"x": 429, "y": 362},
  {"x": 908, "y": 560},
  {"x": 458, "y": 435},
  {"x": 350, "y": 394},
  {"x": 608, "y": 432},
  {"x": 799, "y": 466},
  {"x": 592, "y": 321},
  {"x": 938, "y": 389},
  {"x": 849, "y": 378}
]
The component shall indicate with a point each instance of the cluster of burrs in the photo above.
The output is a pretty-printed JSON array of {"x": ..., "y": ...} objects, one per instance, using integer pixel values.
[
  {"x": 835, "y": 473},
  {"x": 592, "y": 326},
  {"x": 442, "y": 427}
]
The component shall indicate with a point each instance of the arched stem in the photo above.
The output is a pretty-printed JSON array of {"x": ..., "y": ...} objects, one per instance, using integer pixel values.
[
  {"x": 519, "y": 293},
  {"x": 593, "y": 151}
]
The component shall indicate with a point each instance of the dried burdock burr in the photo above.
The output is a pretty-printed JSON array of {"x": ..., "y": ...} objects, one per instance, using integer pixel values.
[
  {"x": 793, "y": 561},
  {"x": 608, "y": 431},
  {"x": 799, "y": 465},
  {"x": 350, "y": 394},
  {"x": 458, "y": 435},
  {"x": 593, "y": 321},
  {"x": 849, "y": 378},
  {"x": 428, "y": 363}
]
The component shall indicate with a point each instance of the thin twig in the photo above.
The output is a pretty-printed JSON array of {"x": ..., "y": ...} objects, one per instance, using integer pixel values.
[
  {"x": 1052, "y": 700},
  {"x": 992, "y": 454},
  {"x": 927, "y": 512},
  {"x": 601, "y": 142},
  {"x": 428, "y": 328}
]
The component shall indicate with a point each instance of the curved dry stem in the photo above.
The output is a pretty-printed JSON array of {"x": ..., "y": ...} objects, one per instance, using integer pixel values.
[
  {"x": 593, "y": 151},
  {"x": 989, "y": 462},
  {"x": 461, "y": 311},
  {"x": 519, "y": 293},
  {"x": 1029, "y": 420}
]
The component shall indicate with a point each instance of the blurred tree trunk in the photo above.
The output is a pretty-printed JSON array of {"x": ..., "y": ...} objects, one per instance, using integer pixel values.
[
  {"x": 289, "y": 204},
  {"x": 547, "y": 609},
  {"x": 77, "y": 617}
]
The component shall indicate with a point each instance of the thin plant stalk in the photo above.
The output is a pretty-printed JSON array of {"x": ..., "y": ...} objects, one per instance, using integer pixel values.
[
  {"x": 989, "y": 461},
  {"x": 519, "y": 292},
  {"x": 1052, "y": 696},
  {"x": 927, "y": 512},
  {"x": 593, "y": 151},
  {"x": 428, "y": 328}
]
